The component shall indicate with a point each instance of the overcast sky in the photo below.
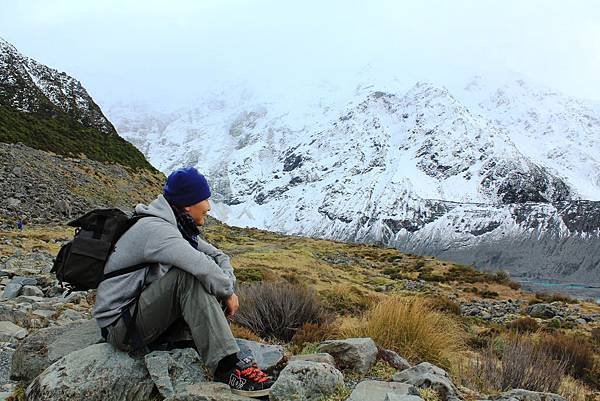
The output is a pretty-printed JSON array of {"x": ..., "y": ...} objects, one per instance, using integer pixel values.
[{"x": 167, "y": 51}]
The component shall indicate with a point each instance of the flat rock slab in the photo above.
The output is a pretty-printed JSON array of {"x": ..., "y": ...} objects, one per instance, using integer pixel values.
[
  {"x": 46, "y": 346},
  {"x": 207, "y": 392},
  {"x": 10, "y": 331},
  {"x": 397, "y": 397},
  {"x": 322, "y": 357},
  {"x": 266, "y": 356},
  {"x": 526, "y": 395},
  {"x": 96, "y": 373},
  {"x": 373, "y": 390},
  {"x": 355, "y": 354},
  {"x": 306, "y": 381},
  {"x": 172, "y": 371}
]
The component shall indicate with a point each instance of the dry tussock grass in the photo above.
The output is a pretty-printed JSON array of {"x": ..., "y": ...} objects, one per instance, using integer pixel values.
[{"x": 411, "y": 327}]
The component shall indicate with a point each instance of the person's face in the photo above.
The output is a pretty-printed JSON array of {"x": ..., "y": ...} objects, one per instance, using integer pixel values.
[{"x": 198, "y": 211}]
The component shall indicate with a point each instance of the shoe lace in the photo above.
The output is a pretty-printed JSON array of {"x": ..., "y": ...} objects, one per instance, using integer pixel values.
[{"x": 255, "y": 374}]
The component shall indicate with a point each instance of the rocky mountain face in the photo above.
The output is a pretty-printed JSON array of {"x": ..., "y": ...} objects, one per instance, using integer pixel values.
[
  {"x": 49, "y": 110},
  {"x": 505, "y": 178},
  {"x": 39, "y": 187}
]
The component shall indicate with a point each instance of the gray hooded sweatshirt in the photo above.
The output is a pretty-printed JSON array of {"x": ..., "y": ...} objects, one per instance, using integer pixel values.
[{"x": 156, "y": 240}]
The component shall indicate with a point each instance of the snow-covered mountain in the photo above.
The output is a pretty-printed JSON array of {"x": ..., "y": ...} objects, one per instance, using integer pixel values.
[{"x": 502, "y": 177}]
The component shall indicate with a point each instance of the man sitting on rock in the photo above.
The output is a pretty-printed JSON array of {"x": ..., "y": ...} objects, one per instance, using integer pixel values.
[{"x": 186, "y": 278}]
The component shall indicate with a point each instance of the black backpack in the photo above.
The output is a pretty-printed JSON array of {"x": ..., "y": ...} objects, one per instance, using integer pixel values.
[{"x": 80, "y": 262}]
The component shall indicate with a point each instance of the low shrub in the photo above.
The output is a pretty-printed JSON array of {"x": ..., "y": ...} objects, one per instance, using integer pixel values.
[
  {"x": 524, "y": 325},
  {"x": 345, "y": 300},
  {"x": 314, "y": 333},
  {"x": 248, "y": 275},
  {"x": 411, "y": 327},
  {"x": 444, "y": 304},
  {"x": 488, "y": 294},
  {"x": 521, "y": 364},
  {"x": 554, "y": 297},
  {"x": 277, "y": 310},
  {"x": 575, "y": 350}
]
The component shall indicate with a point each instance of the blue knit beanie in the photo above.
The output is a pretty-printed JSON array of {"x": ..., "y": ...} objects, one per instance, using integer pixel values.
[{"x": 186, "y": 186}]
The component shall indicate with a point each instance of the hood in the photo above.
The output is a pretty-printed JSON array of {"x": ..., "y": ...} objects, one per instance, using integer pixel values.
[{"x": 159, "y": 207}]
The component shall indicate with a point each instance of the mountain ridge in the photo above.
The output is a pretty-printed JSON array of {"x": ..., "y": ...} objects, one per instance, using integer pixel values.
[
  {"x": 406, "y": 169},
  {"x": 49, "y": 110}
]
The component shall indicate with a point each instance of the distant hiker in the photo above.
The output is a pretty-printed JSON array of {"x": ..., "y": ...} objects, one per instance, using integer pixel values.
[
  {"x": 20, "y": 224},
  {"x": 186, "y": 279}
]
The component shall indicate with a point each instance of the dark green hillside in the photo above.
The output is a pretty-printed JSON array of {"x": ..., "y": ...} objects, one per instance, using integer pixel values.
[{"x": 60, "y": 134}]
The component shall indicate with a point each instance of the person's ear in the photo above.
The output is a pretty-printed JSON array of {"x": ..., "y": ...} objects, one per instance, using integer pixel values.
[{"x": 187, "y": 208}]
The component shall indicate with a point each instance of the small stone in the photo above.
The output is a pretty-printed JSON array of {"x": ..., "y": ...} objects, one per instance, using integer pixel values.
[
  {"x": 45, "y": 313},
  {"x": 9, "y": 330},
  {"x": 266, "y": 356},
  {"x": 32, "y": 290},
  {"x": 393, "y": 359},
  {"x": 373, "y": 390},
  {"x": 318, "y": 357},
  {"x": 24, "y": 280},
  {"x": 207, "y": 392},
  {"x": 12, "y": 290},
  {"x": 526, "y": 395}
]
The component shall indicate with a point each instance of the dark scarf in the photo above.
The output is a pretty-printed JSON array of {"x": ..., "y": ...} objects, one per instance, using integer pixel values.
[{"x": 186, "y": 224}]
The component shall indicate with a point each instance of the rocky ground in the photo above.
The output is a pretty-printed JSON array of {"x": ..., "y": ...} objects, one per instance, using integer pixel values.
[
  {"x": 48, "y": 338},
  {"x": 38, "y": 186}
]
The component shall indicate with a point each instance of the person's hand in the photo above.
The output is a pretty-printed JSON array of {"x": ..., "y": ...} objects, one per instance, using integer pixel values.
[{"x": 231, "y": 305}]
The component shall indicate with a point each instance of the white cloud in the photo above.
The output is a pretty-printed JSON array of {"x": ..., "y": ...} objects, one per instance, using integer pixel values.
[{"x": 124, "y": 50}]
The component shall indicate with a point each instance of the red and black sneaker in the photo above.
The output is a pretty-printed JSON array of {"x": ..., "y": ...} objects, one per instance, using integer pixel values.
[{"x": 246, "y": 379}]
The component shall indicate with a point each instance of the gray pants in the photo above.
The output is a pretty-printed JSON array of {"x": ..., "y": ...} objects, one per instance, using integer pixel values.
[{"x": 178, "y": 295}]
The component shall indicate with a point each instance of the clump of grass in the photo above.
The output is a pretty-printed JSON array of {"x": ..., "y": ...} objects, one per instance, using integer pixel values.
[
  {"x": 341, "y": 394},
  {"x": 278, "y": 310},
  {"x": 382, "y": 371},
  {"x": 345, "y": 300},
  {"x": 524, "y": 325},
  {"x": 444, "y": 304},
  {"x": 315, "y": 333},
  {"x": 244, "y": 332},
  {"x": 544, "y": 297},
  {"x": 411, "y": 327},
  {"x": 574, "y": 390},
  {"x": 517, "y": 362},
  {"x": 429, "y": 394},
  {"x": 575, "y": 350},
  {"x": 248, "y": 275}
]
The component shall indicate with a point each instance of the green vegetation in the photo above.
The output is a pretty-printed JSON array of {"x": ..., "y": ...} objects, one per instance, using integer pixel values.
[{"x": 61, "y": 134}]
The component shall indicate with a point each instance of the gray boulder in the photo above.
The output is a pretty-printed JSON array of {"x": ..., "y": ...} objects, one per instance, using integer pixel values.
[
  {"x": 172, "y": 371},
  {"x": 46, "y": 346},
  {"x": 12, "y": 290},
  {"x": 396, "y": 397},
  {"x": 318, "y": 357},
  {"x": 356, "y": 354},
  {"x": 306, "y": 381},
  {"x": 372, "y": 390},
  {"x": 526, "y": 395},
  {"x": 426, "y": 375},
  {"x": 542, "y": 310},
  {"x": 32, "y": 290},
  {"x": 207, "y": 392},
  {"x": 266, "y": 356},
  {"x": 96, "y": 373},
  {"x": 10, "y": 331},
  {"x": 393, "y": 359}
]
